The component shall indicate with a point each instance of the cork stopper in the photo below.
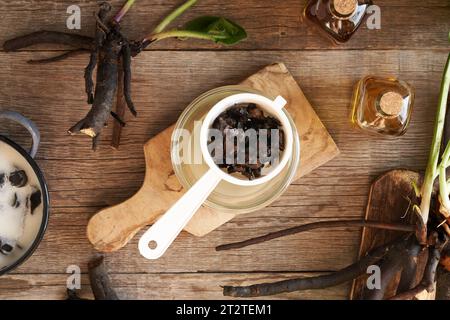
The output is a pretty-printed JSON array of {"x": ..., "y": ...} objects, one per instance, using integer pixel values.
[
  {"x": 345, "y": 7},
  {"x": 391, "y": 103}
]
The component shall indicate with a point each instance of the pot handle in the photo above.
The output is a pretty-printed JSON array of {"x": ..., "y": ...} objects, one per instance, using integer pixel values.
[{"x": 28, "y": 124}]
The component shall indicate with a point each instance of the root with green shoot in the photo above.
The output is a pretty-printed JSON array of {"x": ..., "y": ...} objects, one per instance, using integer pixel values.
[{"x": 111, "y": 51}]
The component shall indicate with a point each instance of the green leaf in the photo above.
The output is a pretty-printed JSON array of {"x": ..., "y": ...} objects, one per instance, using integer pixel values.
[{"x": 219, "y": 29}]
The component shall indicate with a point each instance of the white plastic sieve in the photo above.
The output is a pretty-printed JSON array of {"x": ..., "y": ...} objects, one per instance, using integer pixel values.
[{"x": 155, "y": 241}]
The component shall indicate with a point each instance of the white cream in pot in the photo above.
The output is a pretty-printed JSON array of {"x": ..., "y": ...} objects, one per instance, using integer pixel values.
[{"x": 19, "y": 227}]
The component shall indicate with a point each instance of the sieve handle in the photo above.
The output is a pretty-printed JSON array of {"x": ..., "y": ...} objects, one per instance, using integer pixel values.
[
  {"x": 279, "y": 102},
  {"x": 156, "y": 240}
]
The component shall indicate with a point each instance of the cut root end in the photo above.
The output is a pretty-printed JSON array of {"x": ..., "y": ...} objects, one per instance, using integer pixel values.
[{"x": 81, "y": 128}]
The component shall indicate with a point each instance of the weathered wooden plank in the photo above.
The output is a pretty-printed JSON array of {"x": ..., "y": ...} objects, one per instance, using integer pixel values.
[
  {"x": 86, "y": 180},
  {"x": 270, "y": 24},
  {"x": 65, "y": 244},
  {"x": 203, "y": 286},
  {"x": 58, "y": 102},
  {"x": 105, "y": 197},
  {"x": 332, "y": 187},
  {"x": 81, "y": 184},
  {"x": 105, "y": 189}
]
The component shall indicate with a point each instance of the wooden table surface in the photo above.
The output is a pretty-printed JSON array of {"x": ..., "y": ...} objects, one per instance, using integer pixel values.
[{"x": 412, "y": 44}]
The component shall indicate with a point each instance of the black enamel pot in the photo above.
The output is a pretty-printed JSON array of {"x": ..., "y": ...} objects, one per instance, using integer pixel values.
[{"x": 28, "y": 157}]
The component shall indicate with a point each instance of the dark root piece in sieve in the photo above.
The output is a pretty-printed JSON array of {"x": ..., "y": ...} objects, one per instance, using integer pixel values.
[{"x": 235, "y": 122}]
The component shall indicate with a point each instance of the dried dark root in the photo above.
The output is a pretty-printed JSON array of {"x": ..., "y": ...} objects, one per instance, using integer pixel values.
[
  {"x": 318, "y": 225},
  {"x": 126, "y": 61},
  {"x": 61, "y": 57},
  {"x": 117, "y": 118},
  {"x": 49, "y": 37},
  {"x": 73, "y": 295},
  {"x": 408, "y": 276},
  {"x": 428, "y": 279},
  {"x": 88, "y": 72},
  {"x": 324, "y": 281},
  {"x": 100, "y": 282},
  {"x": 85, "y": 126},
  {"x": 390, "y": 267}
]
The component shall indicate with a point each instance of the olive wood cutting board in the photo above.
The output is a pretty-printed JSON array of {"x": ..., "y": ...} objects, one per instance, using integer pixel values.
[
  {"x": 112, "y": 228},
  {"x": 389, "y": 201}
]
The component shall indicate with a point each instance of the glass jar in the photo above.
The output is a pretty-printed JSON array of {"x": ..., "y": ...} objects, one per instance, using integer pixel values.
[
  {"x": 338, "y": 19},
  {"x": 382, "y": 105},
  {"x": 226, "y": 197}
]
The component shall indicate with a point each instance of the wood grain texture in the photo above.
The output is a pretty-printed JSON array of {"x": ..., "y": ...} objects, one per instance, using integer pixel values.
[
  {"x": 412, "y": 44},
  {"x": 190, "y": 286},
  {"x": 111, "y": 228},
  {"x": 389, "y": 201},
  {"x": 60, "y": 99},
  {"x": 274, "y": 25},
  {"x": 67, "y": 229}
]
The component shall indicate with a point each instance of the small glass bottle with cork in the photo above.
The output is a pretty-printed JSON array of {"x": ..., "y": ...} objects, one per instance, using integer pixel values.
[
  {"x": 382, "y": 105},
  {"x": 338, "y": 19}
]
